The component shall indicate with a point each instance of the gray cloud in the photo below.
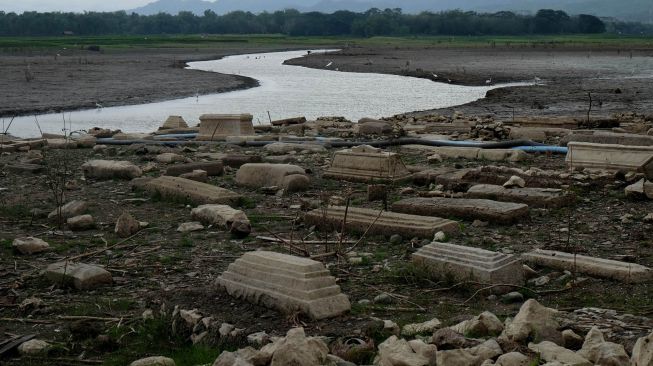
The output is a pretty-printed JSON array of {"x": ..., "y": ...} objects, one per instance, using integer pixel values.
[{"x": 69, "y": 5}]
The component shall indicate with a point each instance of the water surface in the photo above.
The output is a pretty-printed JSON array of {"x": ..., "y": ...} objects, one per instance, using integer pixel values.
[{"x": 285, "y": 91}]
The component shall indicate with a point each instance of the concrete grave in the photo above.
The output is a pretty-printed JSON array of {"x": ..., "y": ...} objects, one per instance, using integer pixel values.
[
  {"x": 70, "y": 209},
  {"x": 110, "y": 169},
  {"x": 219, "y": 126},
  {"x": 606, "y": 268},
  {"x": 285, "y": 282},
  {"x": 175, "y": 188},
  {"x": 610, "y": 157},
  {"x": 611, "y": 138},
  {"x": 465, "y": 263},
  {"x": 534, "y": 197},
  {"x": 212, "y": 168},
  {"x": 387, "y": 223},
  {"x": 80, "y": 275},
  {"x": 231, "y": 160},
  {"x": 290, "y": 178},
  {"x": 365, "y": 163},
  {"x": 481, "y": 209},
  {"x": 174, "y": 122}
]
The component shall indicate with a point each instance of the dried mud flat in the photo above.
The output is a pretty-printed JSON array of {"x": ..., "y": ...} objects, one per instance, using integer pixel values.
[{"x": 161, "y": 266}]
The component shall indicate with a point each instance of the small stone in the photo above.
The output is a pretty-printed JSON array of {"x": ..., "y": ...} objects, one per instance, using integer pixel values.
[
  {"x": 571, "y": 340},
  {"x": 30, "y": 245},
  {"x": 435, "y": 158},
  {"x": 396, "y": 239},
  {"x": 383, "y": 299},
  {"x": 540, "y": 281},
  {"x": 154, "y": 361},
  {"x": 196, "y": 175},
  {"x": 648, "y": 218},
  {"x": 406, "y": 191},
  {"x": 80, "y": 275},
  {"x": 81, "y": 222},
  {"x": 226, "y": 329},
  {"x": 515, "y": 182},
  {"x": 440, "y": 236},
  {"x": 126, "y": 225},
  {"x": 479, "y": 223},
  {"x": 258, "y": 339},
  {"x": 148, "y": 314},
  {"x": 355, "y": 260},
  {"x": 188, "y": 227},
  {"x": 33, "y": 347},
  {"x": 364, "y": 302},
  {"x": 512, "y": 297}
]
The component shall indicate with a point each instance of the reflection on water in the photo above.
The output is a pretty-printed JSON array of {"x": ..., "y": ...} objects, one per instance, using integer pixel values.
[{"x": 285, "y": 91}]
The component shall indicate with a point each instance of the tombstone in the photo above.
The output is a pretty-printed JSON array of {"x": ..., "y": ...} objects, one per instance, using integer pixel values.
[
  {"x": 604, "y": 137},
  {"x": 467, "y": 263},
  {"x": 285, "y": 282},
  {"x": 386, "y": 223},
  {"x": 110, "y": 169},
  {"x": 534, "y": 197},
  {"x": 367, "y": 164},
  {"x": 219, "y": 126},
  {"x": 174, "y": 122},
  {"x": 473, "y": 209},
  {"x": 610, "y": 157},
  {"x": 212, "y": 168},
  {"x": 606, "y": 268},
  {"x": 182, "y": 190}
]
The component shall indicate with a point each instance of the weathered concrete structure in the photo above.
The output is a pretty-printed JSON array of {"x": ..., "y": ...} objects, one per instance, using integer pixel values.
[
  {"x": 79, "y": 275},
  {"x": 285, "y": 282},
  {"x": 466, "y": 263},
  {"x": 534, "y": 197},
  {"x": 290, "y": 178},
  {"x": 110, "y": 169},
  {"x": 606, "y": 268},
  {"x": 212, "y": 168},
  {"x": 180, "y": 189},
  {"x": 386, "y": 223},
  {"x": 219, "y": 126},
  {"x": 367, "y": 164},
  {"x": 488, "y": 210},
  {"x": 604, "y": 137},
  {"x": 174, "y": 122},
  {"x": 610, "y": 157}
]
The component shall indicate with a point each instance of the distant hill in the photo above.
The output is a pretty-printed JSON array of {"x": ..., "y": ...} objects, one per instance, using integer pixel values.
[{"x": 633, "y": 10}]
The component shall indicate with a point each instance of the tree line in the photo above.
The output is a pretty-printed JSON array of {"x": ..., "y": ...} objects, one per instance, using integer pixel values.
[{"x": 374, "y": 22}]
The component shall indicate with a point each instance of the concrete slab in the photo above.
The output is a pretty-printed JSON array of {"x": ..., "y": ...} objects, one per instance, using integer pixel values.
[
  {"x": 367, "y": 164},
  {"x": 212, "y": 168},
  {"x": 24, "y": 168},
  {"x": 534, "y": 197},
  {"x": 285, "y": 282},
  {"x": 388, "y": 223},
  {"x": 610, "y": 157},
  {"x": 110, "y": 169},
  {"x": 481, "y": 209},
  {"x": 80, "y": 275},
  {"x": 604, "y": 137},
  {"x": 219, "y": 126},
  {"x": 291, "y": 178},
  {"x": 180, "y": 189},
  {"x": 592, "y": 266},
  {"x": 466, "y": 263}
]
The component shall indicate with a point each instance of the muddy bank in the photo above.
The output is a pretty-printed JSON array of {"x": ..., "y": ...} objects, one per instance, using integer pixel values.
[
  {"x": 69, "y": 80},
  {"x": 619, "y": 80}
]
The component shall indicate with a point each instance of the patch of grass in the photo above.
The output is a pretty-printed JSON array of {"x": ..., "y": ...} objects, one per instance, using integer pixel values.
[
  {"x": 15, "y": 212},
  {"x": 187, "y": 242},
  {"x": 247, "y": 202}
]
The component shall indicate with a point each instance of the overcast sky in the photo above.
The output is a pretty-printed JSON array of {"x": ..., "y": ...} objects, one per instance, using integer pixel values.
[{"x": 69, "y": 5}]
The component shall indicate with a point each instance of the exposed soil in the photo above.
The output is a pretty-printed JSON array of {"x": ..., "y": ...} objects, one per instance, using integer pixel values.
[
  {"x": 619, "y": 80},
  {"x": 161, "y": 265}
]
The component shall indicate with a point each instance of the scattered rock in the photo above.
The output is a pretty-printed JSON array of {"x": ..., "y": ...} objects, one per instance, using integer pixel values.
[
  {"x": 551, "y": 352},
  {"x": 196, "y": 175},
  {"x": 169, "y": 158},
  {"x": 30, "y": 245},
  {"x": 429, "y": 327},
  {"x": 80, "y": 275},
  {"x": 70, "y": 209},
  {"x": 223, "y": 216},
  {"x": 600, "y": 352},
  {"x": 188, "y": 227},
  {"x": 513, "y": 359},
  {"x": 297, "y": 349},
  {"x": 571, "y": 340},
  {"x": 483, "y": 325},
  {"x": 643, "y": 351},
  {"x": 398, "y": 352},
  {"x": 81, "y": 222},
  {"x": 126, "y": 225},
  {"x": 447, "y": 338},
  {"x": 33, "y": 347},
  {"x": 383, "y": 299},
  {"x": 440, "y": 236},
  {"x": 515, "y": 181},
  {"x": 110, "y": 169},
  {"x": 154, "y": 361},
  {"x": 512, "y": 297},
  {"x": 534, "y": 322}
]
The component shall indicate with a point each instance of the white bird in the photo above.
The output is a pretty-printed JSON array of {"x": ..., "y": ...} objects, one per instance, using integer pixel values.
[
  {"x": 537, "y": 79},
  {"x": 329, "y": 64},
  {"x": 435, "y": 76},
  {"x": 488, "y": 81},
  {"x": 99, "y": 105},
  {"x": 337, "y": 69}
]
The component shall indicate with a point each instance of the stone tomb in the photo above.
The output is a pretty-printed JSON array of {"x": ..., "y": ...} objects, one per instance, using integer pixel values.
[
  {"x": 387, "y": 223},
  {"x": 285, "y": 282},
  {"x": 610, "y": 157},
  {"x": 366, "y": 164},
  {"x": 534, "y": 197},
  {"x": 606, "y": 268},
  {"x": 181, "y": 189},
  {"x": 212, "y": 168},
  {"x": 481, "y": 209},
  {"x": 174, "y": 122},
  {"x": 466, "y": 263},
  {"x": 219, "y": 126}
]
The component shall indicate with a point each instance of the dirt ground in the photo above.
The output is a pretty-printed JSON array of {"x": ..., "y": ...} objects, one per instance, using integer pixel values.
[
  {"x": 619, "y": 80},
  {"x": 161, "y": 266}
]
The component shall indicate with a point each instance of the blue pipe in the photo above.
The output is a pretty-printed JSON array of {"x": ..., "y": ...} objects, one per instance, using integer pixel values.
[{"x": 176, "y": 136}]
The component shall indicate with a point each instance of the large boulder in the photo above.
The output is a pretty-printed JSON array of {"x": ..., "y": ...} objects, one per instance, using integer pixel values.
[
  {"x": 603, "y": 353},
  {"x": 110, "y": 169},
  {"x": 30, "y": 245},
  {"x": 486, "y": 324},
  {"x": 223, "y": 216},
  {"x": 33, "y": 347},
  {"x": 81, "y": 222},
  {"x": 534, "y": 322},
  {"x": 290, "y": 178},
  {"x": 80, "y": 275},
  {"x": 399, "y": 352},
  {"x": 513, "y": 359},
  {"x": 154, "y": 361},
  {"x": 297, "y": 349},
  {"x": 551, "y": 352},
  {"x": 643, "y": 351},
  {"x": 70, "y": 209}
]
